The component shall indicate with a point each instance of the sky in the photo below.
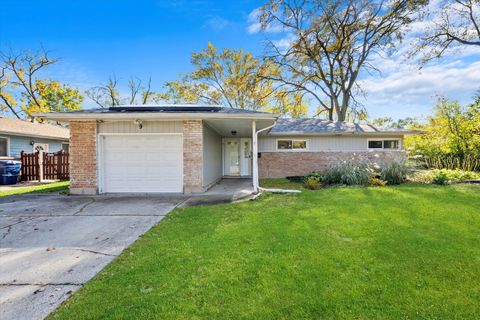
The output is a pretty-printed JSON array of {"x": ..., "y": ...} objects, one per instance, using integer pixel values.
[{"x": 155, "y": 38}]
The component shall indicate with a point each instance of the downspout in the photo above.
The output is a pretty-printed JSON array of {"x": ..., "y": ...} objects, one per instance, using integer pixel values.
[{"x": 255, "y": 152}]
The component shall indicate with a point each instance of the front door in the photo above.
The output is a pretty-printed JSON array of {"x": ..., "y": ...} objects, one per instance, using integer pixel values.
[{"x": 232, "y": 157}]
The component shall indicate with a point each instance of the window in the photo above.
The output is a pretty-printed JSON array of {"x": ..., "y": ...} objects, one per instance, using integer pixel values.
[
  {"x": 295, "y": 145},
  {"x": 383, "y": 144},
  {"x": 3, "y": 147},
  {"x": 65, "y": 147},
  {"x": 390, "y": 144}
]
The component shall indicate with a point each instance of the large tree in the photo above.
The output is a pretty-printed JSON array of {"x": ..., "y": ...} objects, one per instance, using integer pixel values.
[
  {"x": 329, "y": 44},
  {"x": 23, "y": 92},
  {"x": 107, "y": 95},
  {"x": 450, "y": 25},
  {"x": 236, "y": 79}
]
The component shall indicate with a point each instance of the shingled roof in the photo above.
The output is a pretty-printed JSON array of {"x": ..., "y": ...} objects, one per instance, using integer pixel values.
[
  {"x": 26, "y": 128},
  {"x": 318, "y": 126}
]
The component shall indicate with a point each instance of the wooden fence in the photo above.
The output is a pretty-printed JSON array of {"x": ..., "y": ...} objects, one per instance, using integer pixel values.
[{"x": 54, "y": 166}]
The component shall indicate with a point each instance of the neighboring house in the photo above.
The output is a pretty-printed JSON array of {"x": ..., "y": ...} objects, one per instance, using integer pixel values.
[
  {"x": 185, "y": 148},
  {"x": 20, "y": 135}
]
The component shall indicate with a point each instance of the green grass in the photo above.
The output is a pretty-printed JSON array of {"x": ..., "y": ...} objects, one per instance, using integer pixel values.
[
  {"x": 407, "y": 252},
  {"x": 281, "y": 183},
  {"x": 61, "y": 187}
]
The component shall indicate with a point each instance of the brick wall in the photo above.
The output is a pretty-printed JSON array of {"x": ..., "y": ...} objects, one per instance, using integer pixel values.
[
  {"x": 83, "y": 157},
  {"x": 192, "y": 155},
  {"x": 285, "y": 164}
]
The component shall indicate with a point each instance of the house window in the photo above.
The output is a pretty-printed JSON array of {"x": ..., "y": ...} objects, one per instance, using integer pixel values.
[
  {"x": 3, "y": 147},
  {"x": 65, "y": 147},
  {"x": 383, "y": 144},
  {"x": 295, "y": 145}
]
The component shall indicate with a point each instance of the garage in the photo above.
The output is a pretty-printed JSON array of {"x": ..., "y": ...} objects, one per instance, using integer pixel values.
[{"x": 141, "y": 163}]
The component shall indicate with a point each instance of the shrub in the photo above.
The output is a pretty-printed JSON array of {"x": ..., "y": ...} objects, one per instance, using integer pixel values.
[
  {"x": 440, "y": 178},
  {"x": 314, "y": 175},
  {"x": 394, "y": 172},
  {"x": 427, "y": 176},
  {"x": 312, "y": 183},
  {"x": 377, "y": 182},
  {"x": 348, "y": 173}
]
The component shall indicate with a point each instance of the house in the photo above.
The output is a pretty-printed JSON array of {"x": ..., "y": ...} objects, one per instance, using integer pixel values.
[
  {"x": 185, "y": 148},
  {"x": 19, "y": 135}
]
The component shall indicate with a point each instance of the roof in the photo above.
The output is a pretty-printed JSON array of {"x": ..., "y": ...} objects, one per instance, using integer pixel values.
[
  {"x": 26, "y": 128},
  {"x": 313, "y": 126},
  {"x": 157, "y": 111}
]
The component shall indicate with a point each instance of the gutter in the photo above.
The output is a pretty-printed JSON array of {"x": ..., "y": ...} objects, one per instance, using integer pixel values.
[
  {"x": 149, "y": 116},
  {"x": 255, "y": 133}
]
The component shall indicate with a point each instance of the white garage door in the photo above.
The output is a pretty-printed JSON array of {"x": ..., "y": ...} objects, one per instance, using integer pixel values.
[{"x": 142, "y": 163}]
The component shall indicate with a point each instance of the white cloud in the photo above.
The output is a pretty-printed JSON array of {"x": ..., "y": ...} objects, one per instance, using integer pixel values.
[
  {"x": 216, "y": 23},
  {"x": 254, "y": 25}
]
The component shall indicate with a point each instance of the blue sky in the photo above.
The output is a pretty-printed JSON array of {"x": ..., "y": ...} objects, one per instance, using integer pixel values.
[{"x": 96, "y": 39}]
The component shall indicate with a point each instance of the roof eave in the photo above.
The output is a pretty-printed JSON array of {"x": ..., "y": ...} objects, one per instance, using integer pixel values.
[
  {"x": 10, "y": 133},
  {"x": 383, "y": 133},
  {"x": 65, "y": 116}
]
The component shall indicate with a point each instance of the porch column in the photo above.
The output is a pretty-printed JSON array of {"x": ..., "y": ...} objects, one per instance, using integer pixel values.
[{"x": 254, "y": 156}]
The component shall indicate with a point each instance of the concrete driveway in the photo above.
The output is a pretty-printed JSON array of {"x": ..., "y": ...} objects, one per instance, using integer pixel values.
[{"x": 52, "y": 244}]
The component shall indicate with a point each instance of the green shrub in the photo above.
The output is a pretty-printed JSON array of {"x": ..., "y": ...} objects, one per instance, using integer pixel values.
[
  {"x": 440, "y": 178},
  {"x": 427, "y": 176},
  {"x": 314, "y": 175},
  {"x": 312, "y": 183},
  {"x": 394, "y": 172},
  {"x": 377, "y": 182},
  {"x": 348, "y": 173}
]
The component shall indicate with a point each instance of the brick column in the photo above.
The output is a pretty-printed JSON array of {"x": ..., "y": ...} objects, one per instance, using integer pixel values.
[
  {"x": 192, "y": 156},
  {"x": 83, "y": 157}
]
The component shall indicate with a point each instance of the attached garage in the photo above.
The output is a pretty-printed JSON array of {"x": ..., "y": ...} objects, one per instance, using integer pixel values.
[{"x": 141, "y": 163}]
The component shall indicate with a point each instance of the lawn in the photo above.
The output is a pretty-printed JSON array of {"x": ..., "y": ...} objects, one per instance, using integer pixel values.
[
  {"x": 407, "y": 252},
  {"x": 61, "y": 187}
]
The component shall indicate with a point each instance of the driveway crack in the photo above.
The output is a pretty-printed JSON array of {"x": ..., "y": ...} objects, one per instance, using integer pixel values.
[
  {"x": 96, "y": 252},
  {"x": 92, "y": 200},
  {"x": 9, "y": 227}
]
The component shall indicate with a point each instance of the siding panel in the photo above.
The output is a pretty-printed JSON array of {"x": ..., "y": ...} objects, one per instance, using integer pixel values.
[
  {"x": 19, "y": 144},
  {"x": 212, "y": 156},
  {"x": 148, "y": 127},
  {"x": 323, "y": 143}
]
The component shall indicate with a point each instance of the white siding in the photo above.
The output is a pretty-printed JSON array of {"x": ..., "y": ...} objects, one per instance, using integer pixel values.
[
  {"x": 323, "y": 143},
  {"x": 148, "y": 127},
  {"x": 212, "y": 156}
]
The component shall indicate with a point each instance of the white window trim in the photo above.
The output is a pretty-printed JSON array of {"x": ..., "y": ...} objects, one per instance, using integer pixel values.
[
  {"x": 400, "y": 146},
  {"x": 8, "y": 145},
  {"x": 307, "y": 145}
]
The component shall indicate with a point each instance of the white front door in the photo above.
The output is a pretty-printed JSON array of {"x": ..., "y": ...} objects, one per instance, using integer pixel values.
[
  {"x": 245, "y": 156},
  {"x": 232, "y": 157},
  {"x": 237, "y": 155},
  {"x": 142, "y": 163}
]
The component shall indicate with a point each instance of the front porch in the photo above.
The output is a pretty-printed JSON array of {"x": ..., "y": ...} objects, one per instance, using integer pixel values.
[{"x": 235, "y": 140}]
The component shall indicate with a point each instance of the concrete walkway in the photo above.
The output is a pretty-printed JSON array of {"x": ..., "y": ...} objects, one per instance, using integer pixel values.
[{"x": 50, "y": 245}]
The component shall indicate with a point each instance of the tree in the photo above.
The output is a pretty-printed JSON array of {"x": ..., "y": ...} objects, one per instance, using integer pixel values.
[
  {"x": 388, "y": 122},
  {"x": 107, "y": 95},
  {"x": 22, "y": 92},
  {"x": 329, "y": 45},
  {"x": 452, "y": 25},
  {"x": 451, "y": 137},
  {"x": 236, "y": 79}
]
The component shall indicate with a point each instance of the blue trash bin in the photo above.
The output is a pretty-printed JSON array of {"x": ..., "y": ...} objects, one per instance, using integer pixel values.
[{"x": 9, "y": 171}]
